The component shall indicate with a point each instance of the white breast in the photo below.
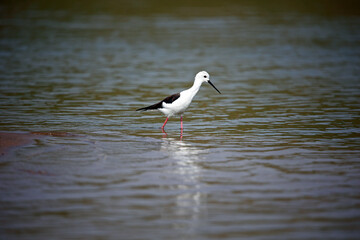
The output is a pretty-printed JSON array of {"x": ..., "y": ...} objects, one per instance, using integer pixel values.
[{"x": 179, "y": 106}]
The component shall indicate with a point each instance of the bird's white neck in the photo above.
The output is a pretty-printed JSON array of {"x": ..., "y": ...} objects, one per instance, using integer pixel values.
[{"x": 195, "y": 87}]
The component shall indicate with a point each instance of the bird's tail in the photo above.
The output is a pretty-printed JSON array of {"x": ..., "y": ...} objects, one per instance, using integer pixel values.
[
  {"x": 151, "y": 107},
  {"x": 143, "y": 109}
]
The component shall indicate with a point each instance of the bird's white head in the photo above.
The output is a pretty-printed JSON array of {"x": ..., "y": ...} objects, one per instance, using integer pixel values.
[{"x": 203, "y": 76}]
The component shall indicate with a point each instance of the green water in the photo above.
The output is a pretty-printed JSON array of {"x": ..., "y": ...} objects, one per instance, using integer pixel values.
[{"x": 275, "y": 156}]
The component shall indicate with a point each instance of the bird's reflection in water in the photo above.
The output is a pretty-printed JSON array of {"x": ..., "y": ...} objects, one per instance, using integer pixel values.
[
  {"x": 165, "y": 134},
  {"x": 186, "y": 172}
]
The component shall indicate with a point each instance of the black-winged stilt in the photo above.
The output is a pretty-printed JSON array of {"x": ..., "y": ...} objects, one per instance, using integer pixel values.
[{"x": 176, "y": 104}]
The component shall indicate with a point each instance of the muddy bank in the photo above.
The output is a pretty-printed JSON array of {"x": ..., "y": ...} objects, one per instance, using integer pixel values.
[{"x": 11, "y": 140}]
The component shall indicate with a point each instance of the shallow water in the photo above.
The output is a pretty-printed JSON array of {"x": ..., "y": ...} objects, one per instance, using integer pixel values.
[{"x": 275, "y": 156}]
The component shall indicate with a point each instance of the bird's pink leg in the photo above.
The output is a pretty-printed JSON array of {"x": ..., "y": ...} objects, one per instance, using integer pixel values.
[
  {"x": 181, "y": 123},
  {"x": 164, "y": 123}
]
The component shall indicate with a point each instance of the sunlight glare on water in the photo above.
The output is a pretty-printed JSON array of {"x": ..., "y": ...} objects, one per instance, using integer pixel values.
[{"x": 275, "y": 156}]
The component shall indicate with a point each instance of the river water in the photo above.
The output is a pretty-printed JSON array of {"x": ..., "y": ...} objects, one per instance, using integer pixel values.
[{"x": 275, "y": 156}]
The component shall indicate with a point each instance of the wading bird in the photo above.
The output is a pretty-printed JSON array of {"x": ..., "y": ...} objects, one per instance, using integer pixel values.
[{"x": 177, "y": 103}]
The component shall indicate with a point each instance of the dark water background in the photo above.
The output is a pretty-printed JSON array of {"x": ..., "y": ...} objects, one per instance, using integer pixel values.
[{"x": 275, "y": 156}]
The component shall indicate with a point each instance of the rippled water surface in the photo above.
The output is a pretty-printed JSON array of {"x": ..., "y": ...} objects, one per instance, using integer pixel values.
[{"x": 275, "y": 156}]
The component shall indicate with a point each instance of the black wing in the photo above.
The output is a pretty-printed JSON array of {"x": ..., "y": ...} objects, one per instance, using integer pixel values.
[{"x": 158, "y": 105}]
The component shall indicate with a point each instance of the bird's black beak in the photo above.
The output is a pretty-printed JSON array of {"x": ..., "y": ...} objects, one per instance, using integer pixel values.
[{"x": 214, "y": 86}]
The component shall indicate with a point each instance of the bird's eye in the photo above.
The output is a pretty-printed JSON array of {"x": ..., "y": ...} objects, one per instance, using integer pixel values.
[{"x": 204, "y": 76}]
